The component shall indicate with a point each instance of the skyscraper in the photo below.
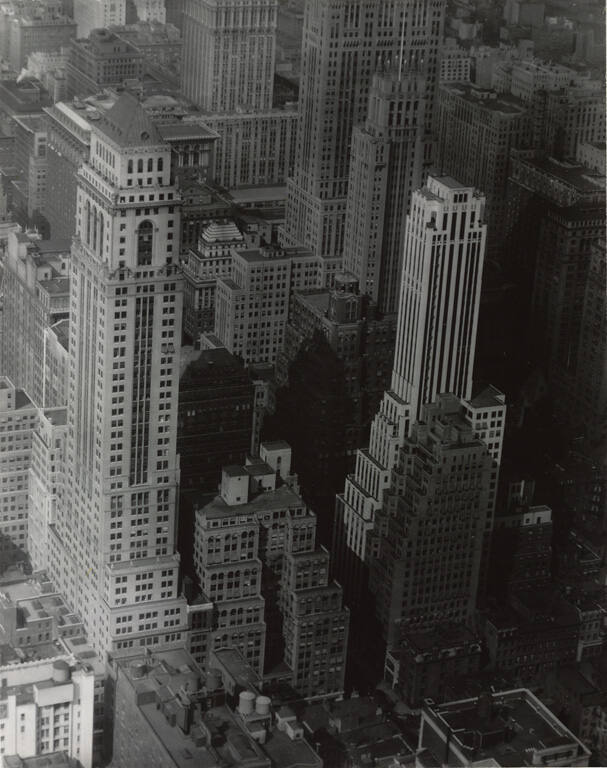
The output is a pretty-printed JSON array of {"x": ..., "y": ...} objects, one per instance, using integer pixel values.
[
  {"x": 435, "y": 344},
  {"x": 428, "y": 561},
  {"x": 229, "y": 48},
  {"x": 112, "y": 547},
  {"x": 344, "y": 44},
  {"x": 386, "y": 166}
]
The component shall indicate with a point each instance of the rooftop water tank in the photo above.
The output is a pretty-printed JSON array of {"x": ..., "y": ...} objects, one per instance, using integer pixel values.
[
  {"x": 262, "y": 705},
  {"x": 246, "y": 702}
]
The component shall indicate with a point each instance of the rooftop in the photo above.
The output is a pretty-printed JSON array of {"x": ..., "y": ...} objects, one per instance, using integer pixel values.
[
  {"x": 288, "y": 753},
  {"x": 128, "y": 124},
  {"x": 487, "y": 99},
  {"x": 231, "y": 662},
  {"x": 574, "y": 174},
  {"x": 184, "y": 131},
  {"x": 281, "y": 498},
  {"x": 61, "y": 329},
  {"x": 56, "y": 286},
  {"x": 507, "y": 726}
]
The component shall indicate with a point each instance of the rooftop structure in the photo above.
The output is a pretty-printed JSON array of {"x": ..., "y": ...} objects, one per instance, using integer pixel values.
[{"x": 508, "y": 728}]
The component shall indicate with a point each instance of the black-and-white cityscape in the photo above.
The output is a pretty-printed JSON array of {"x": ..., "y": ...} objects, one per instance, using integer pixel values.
[{"x": 303, "y": 384}]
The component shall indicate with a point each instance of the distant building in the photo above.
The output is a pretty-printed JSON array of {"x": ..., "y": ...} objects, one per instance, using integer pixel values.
[
  {"x": 455, "y": 63},
  {"x": 36, "y": 295},
  {"x": 97, "y": 14},
  {"x": 254, "y": 148},
  {"x": 47, "y": 706},
  {"x": 20, "y": 419},
  {"x": 252, "y": 306},
  {"x": 34, "y": 27},
  {"x": 477, "y": 130},
  {"x": 332, "y": 76},
  {"x": 386, "y": 167},
  {"x": 100, "y": 60},
  {"x": 556, "y": 216},
  {"x": 229, "y": 54},
  {"x": 202, "y": 267},
  {"x": 31, "y": 161},
  {"x": 592, "y": 155},
  {"x": 500, "y": 729}
]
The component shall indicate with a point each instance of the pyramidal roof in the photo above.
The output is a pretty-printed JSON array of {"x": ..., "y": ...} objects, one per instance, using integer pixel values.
[
  {"x": 218, "y": 231},
  {"x": 128, "y": 124}
]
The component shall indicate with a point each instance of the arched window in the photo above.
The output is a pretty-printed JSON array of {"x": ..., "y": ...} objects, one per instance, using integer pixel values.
[
  {"x": 150, "y": 164},
  {"x": 140, "y": 165},
  {"x": 160, "y": 164},
  {"x": 130, "y": 165},
  {"x": 145, "y": 237}
]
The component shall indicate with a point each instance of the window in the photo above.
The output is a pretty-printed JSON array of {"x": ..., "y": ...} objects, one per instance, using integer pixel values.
[{"x": 144, "y": 243}]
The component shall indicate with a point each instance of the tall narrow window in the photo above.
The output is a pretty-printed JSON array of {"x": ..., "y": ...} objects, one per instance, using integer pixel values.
[{"x": 145, "y": 234}]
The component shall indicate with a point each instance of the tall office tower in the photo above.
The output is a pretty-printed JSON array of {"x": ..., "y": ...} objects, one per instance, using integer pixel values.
[
  {"x": 97, "y": 14},
  {"x": 386, "y": 166},
  {"x": 229, "y": 49},
  {"x": 112, "y": 546},
  {"x": 36, "y": 295},
  {"x": 344, "y": 44},
  {"x": 427, "y": 566},
  {"x": 435, "y": 344},
  {"x": 477, "y": 129}
]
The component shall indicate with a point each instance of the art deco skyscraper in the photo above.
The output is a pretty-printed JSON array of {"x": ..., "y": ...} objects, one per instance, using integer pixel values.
[
  {"x": 427, "y": 566},
  {"x": 435, "y": 345},
  {"x": 344, "y": 44},
  {"x": 229, "y": 49},
  {"x": 112, "y": 547},
  {"x": 386, "y": 166}
]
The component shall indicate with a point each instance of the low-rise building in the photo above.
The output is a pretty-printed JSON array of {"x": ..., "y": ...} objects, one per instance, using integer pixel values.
[{"x": 499, "y": 729}]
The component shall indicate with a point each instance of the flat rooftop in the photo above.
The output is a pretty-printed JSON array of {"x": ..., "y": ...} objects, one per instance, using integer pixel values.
[
  {"x": 575, "y": 174},
  {"x": 511, "y": 727},
  {"x": 281, "y": 498},
  {"x": 487, "y": 99},
  {"x": 232, "y": 662},
  {"x": 185, "y": 131},
  {"x": 287, "y": 753}
]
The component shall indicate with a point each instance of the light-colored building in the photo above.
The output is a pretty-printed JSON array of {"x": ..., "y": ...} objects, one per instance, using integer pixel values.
[
  {"x": 340, "y": 53},
  {"x": 258, "y": 562},
  {"x": 47, "y": 706},
  {"x": 455, "y": 62},
  {"x": 444, "y": 242},
  {"x": 56, "y": 365},
  {"x": 112, "y": 546},
  {"x": 593, "y": 155},
  {"x": 36, "y": 295},
  {"x": 18, "y": 421},
  {"x": 46, "y": 481},
  {"x": 201, "y": 269},
  {"x": 254, "y": 147},
  {"x": 151, "y": 10},
  {"x": 98, "y": 14},
  {"x": 229, "y": 51},
  {"x": 30, "y": 156},
  {"x": 252, "y": 306}
]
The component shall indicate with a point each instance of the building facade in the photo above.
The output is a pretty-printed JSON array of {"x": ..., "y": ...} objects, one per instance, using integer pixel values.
[
  {"x": 98, "y": 14},
  {"x": 343, "y": 46},
  {"x": 112, "y": 547},
  {"x": 36, "y": 295},
  {"x": 229, "y": 51}
]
